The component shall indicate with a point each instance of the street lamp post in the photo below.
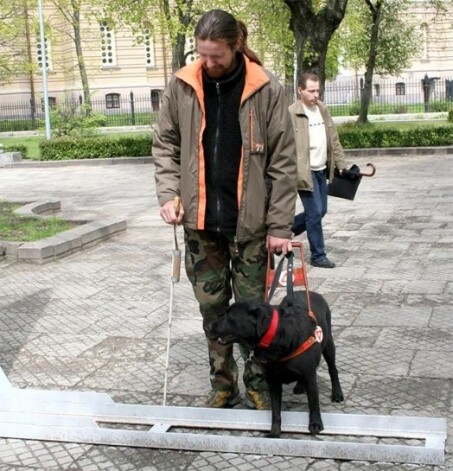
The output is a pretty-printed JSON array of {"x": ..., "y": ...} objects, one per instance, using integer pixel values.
[{"x": 44, "y": 69}]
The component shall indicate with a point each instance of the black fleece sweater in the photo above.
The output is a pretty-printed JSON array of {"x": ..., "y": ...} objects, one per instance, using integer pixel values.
[{"x": 222, "y": 143}]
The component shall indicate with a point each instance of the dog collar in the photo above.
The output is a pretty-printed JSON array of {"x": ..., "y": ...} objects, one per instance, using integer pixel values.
[{"x": 267, "y": 338}]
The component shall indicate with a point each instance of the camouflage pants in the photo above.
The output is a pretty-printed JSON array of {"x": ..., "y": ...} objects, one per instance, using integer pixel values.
[{"x": 217, "y": 269}]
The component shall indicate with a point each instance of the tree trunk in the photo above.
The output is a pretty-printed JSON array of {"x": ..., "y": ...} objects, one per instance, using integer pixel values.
[
  {"x": 178, "y": 40},
  {"x": 312, "y": 33},
  {"x": 80, "y": 60},
  {"x": 30, "y": 62},
  {"x": 178, "y": 59},
  {"x": 367, "y": 91}
]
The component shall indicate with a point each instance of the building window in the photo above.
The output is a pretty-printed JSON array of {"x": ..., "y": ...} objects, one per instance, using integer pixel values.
[
  {"x": 112, "y": 100},
  {"x": 400, "y": 88},
  {"x": 424, "y": 43},
  {"x": 377, "y": 89},
  {"x": 149, "y": 48},
  {"x": 40, "y": 53},
  {"x": 108, "y": 51},
  {"x": 190, "y": 52},
  {"x": 51, "y": 100}
]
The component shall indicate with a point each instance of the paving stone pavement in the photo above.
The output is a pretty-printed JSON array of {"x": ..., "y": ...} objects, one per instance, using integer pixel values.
[{"x": 97, "y": 319}]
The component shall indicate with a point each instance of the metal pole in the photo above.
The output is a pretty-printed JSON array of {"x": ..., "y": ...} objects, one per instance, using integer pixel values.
[
  {"x": 44, "y": 69},
  {"x": 175, "y": 276}
]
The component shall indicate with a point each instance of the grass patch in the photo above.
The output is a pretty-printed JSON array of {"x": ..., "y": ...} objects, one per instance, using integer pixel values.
[
  {"x": 31, "y": 142},
  {"x": 15, "y": 228}
]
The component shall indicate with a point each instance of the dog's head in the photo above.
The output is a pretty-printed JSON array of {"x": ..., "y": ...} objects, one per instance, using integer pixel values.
[{"x": 244, "y": 322}]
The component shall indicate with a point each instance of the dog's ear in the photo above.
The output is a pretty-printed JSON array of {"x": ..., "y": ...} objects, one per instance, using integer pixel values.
[{"x": 262, "y": 313}]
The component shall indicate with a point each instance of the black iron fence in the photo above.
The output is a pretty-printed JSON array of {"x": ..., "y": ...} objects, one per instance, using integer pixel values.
[
  {"x": 114, "y": 109},
  {"x": 390, "y": 96},
  {"x": 427, "y": 94}
]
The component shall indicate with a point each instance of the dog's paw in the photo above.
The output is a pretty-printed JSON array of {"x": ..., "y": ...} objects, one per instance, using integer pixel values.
[
  {"x": 337, "y": 395},
  {"x": 272, "y": 435},
  {"x": 315, "y": 427},
  {"x": 299, "y": 388}
]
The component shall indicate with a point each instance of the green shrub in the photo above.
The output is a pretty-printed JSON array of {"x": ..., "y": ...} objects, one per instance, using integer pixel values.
[
  {"x": 348, "y": 125},
  {"x": 438, "y": 106},
  {"x": 381, "y": 108},
  {"x": 369, "y": 136},
  {"x": 9, "y": 125},
  {"x": 94, "y": 147},
  {"x": 126, "y": 119},
  {"x": 377, "y": 109},
  {"x": 354, "y": 109},
  {"x": 450, "y": 116},
  {"x": 400, "y": 109},
  {"x": 17, "y": 148},
  {"x": 74, "y": 119}
]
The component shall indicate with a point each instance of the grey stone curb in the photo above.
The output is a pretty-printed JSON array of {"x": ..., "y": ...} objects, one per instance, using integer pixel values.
[
  {"x": 375, "y": 151},
  {"x": 75, "y": 162},
  {"x": 62, "y": 244},
  {"x": 39, "y": 208},
  {"x": 400, "y": 151}
]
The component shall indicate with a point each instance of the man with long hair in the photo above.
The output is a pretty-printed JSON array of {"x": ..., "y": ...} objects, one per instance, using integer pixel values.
[{"x": 224, "y": 144}]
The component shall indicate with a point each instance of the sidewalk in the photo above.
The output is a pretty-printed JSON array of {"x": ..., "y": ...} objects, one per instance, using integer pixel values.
[{"x": 97, "y": 320}]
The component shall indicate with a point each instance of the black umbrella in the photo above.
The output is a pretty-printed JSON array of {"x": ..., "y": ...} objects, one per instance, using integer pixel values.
[{"x": 345, "y": 184}]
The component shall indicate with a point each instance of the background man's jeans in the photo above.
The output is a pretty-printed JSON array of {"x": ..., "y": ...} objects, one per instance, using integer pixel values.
[{"x": 315, "y": 207}]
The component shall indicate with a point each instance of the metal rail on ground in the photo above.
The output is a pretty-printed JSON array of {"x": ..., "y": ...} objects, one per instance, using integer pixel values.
[{"x": 85, "y": 417}]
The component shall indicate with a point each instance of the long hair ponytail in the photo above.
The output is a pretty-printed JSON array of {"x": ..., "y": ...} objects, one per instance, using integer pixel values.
[
  {"x": 245, "y": 49},
  {"x": 218, "y": 24}
]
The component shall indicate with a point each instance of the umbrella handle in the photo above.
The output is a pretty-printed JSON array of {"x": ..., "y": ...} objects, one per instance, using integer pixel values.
[{"x": 373, "y": 171}]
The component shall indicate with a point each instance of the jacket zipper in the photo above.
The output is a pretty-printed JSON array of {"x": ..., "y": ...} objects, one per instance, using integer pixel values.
[
  {"x": 215, "y": 161},
  {"x": 251, "y": 130}
]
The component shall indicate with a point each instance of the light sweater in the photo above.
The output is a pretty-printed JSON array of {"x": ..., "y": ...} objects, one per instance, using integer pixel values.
[{"x": 317, "y": 138}]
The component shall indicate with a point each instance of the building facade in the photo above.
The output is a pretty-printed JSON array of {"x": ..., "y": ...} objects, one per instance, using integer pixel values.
[
  {"x": 117, "y": 62},
  {"x": 123, "y": 67},
  {"x": 430, "y": 72}
]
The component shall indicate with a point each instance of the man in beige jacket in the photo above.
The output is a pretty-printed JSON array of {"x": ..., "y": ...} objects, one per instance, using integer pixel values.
[{"x": 318, "y": 153}]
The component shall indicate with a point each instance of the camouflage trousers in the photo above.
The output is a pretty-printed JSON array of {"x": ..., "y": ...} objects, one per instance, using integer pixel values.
[{"x": 217, "y": 269}]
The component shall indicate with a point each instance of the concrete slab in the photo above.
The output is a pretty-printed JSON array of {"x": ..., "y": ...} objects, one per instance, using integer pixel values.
[
  {"x": 8, "y": 158},
  {"x": 96, "y": 320}
]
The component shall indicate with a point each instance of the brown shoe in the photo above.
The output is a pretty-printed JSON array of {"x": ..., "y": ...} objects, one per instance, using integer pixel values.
[
  {"x": 222, "y": 399},
  {"x": 258, "y": 400}
]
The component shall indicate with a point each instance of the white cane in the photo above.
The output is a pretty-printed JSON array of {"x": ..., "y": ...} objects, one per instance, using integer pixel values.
[{"x": 175, "y": 276}]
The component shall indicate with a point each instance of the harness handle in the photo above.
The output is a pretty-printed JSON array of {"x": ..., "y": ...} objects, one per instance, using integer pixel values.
[
  {"x": 293, "y": 276},
  {"x": 277, "y": 274}
]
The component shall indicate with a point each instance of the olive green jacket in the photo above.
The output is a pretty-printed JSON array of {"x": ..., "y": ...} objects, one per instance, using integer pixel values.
[
  {"x": 267, "y": 180},
  {"x": 335, "y": 153}
]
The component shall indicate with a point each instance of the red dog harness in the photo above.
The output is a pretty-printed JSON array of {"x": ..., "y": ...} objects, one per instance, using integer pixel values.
[
  {"x": 269, "y": 335},
  {"x": 267, "y": 338}
]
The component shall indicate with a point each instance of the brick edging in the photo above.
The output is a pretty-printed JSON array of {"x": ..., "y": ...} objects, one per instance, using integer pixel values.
[{"x": 86, "y": 235}]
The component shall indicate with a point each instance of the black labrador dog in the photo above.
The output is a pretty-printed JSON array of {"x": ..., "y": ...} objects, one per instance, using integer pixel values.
[{"x": 288, "y": 341}]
